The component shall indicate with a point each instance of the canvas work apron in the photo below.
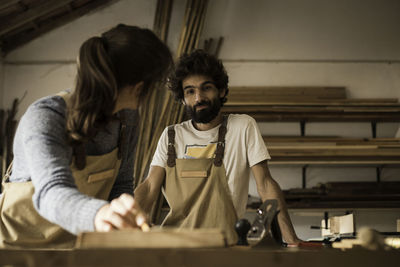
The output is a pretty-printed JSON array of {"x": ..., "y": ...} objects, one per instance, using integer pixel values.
[
  {"x": 197, "y": 190},
  {"x": 20, "y": 224}
]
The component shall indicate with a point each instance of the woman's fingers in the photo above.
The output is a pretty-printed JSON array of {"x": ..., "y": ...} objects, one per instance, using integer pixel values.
[
  {"x": 118, "y": 207},
  {"x": 103, "y": 226},
  {"x": 123, "y": 212},
  {"x": 101, "y": 223},
  {"x": 133, "y": 208}
]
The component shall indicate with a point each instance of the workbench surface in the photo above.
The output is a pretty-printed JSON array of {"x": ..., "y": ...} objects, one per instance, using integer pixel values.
[{"x": 234, "y": 256}]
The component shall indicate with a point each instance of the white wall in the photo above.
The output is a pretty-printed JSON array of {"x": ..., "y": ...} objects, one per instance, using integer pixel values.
[{"x": 312, "y": 42}]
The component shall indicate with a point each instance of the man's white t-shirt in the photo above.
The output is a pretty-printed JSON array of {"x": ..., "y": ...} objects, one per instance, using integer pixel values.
[{"x": 244, "y": 147}]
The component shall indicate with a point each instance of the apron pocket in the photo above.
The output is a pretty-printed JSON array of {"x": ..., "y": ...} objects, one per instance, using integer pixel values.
[
  {"x": 97, "y": 184},
  {"x": 95, "y": 177},
  {"x": 194, "y": 174}
]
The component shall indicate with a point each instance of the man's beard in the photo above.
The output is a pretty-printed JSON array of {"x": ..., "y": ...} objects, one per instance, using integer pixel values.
[{"x": 207, "y": 114}]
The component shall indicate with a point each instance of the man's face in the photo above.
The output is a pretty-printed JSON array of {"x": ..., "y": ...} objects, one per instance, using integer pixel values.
[{"x": 201, "y": 98}]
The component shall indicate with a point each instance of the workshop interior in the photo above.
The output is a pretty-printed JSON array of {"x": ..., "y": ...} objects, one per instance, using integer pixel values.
[{"x": 320, "y": 78}]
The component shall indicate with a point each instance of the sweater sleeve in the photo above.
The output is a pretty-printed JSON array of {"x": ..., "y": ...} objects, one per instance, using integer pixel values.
[{"x": 48, "y": 156}]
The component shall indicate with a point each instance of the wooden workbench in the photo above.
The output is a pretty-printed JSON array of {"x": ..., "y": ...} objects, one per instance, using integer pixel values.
[{"x": 236, "y": 256}]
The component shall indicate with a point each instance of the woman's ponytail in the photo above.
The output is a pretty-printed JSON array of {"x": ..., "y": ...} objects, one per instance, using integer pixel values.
[{"x": 93, "y": 99}]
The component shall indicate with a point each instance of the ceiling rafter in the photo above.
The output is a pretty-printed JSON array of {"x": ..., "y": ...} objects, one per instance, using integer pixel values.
[
  {"x": 21, "y": 26},
  {"x": 32, "y": 14}
]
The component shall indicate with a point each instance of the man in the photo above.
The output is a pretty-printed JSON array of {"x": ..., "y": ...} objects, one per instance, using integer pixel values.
[{"x": 206, "y": 161}]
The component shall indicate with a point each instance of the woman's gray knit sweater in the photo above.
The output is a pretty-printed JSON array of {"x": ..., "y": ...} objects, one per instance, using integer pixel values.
[{"x": 41, "y": 155}]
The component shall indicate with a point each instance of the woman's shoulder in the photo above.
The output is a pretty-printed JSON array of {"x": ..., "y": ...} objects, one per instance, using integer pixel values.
[
  {"x": 53, "y": 103},
  {"x": 46, "y": 112}
]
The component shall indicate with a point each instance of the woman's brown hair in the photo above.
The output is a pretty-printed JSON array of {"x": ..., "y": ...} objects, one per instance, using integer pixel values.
[{"x": 122, "y": 56}]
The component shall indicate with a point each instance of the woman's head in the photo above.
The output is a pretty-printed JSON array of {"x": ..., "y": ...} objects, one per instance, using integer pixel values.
[{"x": 120, "y": 57}]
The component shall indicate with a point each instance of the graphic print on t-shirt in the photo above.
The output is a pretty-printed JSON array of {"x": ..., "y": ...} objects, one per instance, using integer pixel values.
[{"x": 200, "y": 151}]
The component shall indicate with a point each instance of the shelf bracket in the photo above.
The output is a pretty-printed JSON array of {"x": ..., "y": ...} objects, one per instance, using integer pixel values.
[
  {"x": 304, "y": 176},
  {"x": 373, "y": 128},
  {"x": 303, "y": 128}
]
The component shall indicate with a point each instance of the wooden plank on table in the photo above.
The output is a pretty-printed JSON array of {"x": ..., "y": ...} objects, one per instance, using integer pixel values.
[
  {"x": 155, "y": 238},
  {"x": 233, "y": 257}
]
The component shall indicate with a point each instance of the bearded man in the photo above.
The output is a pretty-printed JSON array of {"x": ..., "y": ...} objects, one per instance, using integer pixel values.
[{"x": 204, "y": 164}]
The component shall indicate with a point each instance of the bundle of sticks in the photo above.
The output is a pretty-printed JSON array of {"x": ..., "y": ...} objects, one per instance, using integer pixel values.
[{"x": 8, "y": 125}]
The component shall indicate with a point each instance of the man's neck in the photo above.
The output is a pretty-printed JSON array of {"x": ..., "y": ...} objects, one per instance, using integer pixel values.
[{"x": 207, "y": 126}]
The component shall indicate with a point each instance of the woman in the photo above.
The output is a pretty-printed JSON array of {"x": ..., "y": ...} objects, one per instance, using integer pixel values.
[{"x": 73, "y": 153}]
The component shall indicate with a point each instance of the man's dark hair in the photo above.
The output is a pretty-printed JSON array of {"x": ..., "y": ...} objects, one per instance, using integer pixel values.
[{"x": 199, "y": 62}]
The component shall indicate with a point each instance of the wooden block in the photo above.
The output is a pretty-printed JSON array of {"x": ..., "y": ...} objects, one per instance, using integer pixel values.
[
  {"x": 338, "y": 225},
  {"x": 347, "y": 243},
  {"x": 155, "y": 238}
]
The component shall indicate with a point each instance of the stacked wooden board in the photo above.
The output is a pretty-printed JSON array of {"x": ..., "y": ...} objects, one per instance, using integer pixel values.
[
  {"x": 309, "y": 104},
  {"x": 325, "y": 104},
  {"x": 333, "y": 150},
  {"x": 319, "y": 104}
]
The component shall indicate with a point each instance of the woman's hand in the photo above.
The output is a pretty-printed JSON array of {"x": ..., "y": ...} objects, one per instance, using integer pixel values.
[{"x": 122, "y": 213}]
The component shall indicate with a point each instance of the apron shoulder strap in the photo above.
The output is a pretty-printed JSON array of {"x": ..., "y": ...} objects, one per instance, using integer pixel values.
[
  {"x": 219, "y": 152},
  {"x": 122, "y": 140},
  {"x": 79, "y": 155},
  {"x": 171, "y": 146},
  {"x": 79, "y": 151},
  {"x": 7, "y": 175}
]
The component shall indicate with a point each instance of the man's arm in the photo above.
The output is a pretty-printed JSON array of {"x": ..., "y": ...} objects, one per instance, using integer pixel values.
[
  {"x": 147, "y": 192},
  {"x": 268, "y": 188}
]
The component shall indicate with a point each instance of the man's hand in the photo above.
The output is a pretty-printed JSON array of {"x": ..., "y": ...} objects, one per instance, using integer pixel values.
[{"x": 122, "y": 213}]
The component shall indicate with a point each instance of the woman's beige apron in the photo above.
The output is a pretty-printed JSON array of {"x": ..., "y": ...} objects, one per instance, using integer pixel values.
[
  {"x": 197, "y": 190},
  {"x": 20, "y": 224}
]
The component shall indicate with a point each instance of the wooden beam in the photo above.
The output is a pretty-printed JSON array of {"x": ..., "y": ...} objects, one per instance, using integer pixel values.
[
  {"x": 13, "y": 42},
  {"x": 32, "y": 14},
  {"x": 8, "y": 3}
]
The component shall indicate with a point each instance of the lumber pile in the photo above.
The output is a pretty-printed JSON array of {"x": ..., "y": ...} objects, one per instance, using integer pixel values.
[
  {"x": 325, "y": 104},
  {"x": 316, "y": 150},
  {"x": 308, "y": 104},
  {"x": 8, "y": 126},
  {"x": 345, "y": 195},
  {"x": 342, "y": 195}
]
